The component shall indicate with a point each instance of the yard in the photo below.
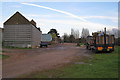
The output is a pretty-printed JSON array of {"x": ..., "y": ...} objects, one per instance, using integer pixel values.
[
  {"x": 102, "y": 65},
  {"x": 60, "y": 61}
]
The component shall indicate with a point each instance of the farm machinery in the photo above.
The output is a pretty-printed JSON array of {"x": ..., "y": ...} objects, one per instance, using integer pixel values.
[{"x": 100, "y": 42}]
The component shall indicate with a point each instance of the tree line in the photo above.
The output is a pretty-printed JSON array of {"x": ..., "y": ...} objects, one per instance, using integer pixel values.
[{"x": 75, "y": 37}]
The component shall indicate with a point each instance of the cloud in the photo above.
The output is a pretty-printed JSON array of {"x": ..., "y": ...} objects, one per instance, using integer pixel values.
[
  {"x": 60, "y": 1},
  {"x": 1, "y": 24},
  {"x": 60, "y": 11},
  {"x": 113, "y": 19},
  {"x": 64, "y": 26},
  {"x": 43, "y": 16},
  {"x": 100, "y": 17},
  {"x": 82, "y": 18}
]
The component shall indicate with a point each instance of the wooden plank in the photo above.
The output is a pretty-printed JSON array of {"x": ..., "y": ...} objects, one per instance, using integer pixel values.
[
  {"x": 97, "y": 40},
  {"x": 107, "y": 39},
  {"x": 102, "y": 40},
  {"x": 112, "y": 39}
]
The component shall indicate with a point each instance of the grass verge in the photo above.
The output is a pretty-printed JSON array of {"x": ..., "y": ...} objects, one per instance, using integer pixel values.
[
  {"x": 2, "y": 56},
  {"x": 4, "y": 51},
  {"x": 102, "y": 65},
  {"x": 16, "y": 48}
]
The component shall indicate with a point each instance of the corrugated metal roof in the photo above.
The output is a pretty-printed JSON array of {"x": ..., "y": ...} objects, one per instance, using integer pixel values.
[{"x": 46, "y": 37}]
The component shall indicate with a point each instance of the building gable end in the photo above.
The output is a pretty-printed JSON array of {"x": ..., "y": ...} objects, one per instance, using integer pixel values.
[{"x": 17, "y": 19}]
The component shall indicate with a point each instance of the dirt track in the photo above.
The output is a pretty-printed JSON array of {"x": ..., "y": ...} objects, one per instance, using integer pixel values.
[{"x": 29, "y": 60}]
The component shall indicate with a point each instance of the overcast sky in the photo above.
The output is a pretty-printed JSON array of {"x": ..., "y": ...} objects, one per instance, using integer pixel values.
[{"x": 66, "y": 15}]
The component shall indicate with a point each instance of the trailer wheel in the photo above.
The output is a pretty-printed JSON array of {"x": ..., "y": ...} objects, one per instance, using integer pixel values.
[
  {"x": 94, "y": 51},
  {"x": 86, "y": 47},
  {"x": 41, "y": 46},
  {"x": 89, "y": 48}
]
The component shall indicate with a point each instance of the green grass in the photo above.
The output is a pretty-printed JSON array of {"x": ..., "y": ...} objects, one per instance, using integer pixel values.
[
  {"x": 3, "y": 56},
  {"x": 15, "y": 47},
  {"x": 4, "y": 51},
  {"x": 81, "y": 43},
  {"x": 101, "y": 66}
]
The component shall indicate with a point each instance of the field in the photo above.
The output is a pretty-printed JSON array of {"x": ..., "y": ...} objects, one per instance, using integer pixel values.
[{"x": 102, "y": 65}]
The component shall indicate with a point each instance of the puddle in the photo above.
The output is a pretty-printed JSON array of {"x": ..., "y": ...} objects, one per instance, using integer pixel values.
[
  {"x": 77, "y": 47},
  {"x": 62, "y": 48},
  {"x": 90, "y": 64},
  {"x": 82, "y": 63}
]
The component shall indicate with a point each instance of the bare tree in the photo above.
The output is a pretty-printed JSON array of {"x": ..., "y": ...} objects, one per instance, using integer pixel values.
[
  {"x": 71, "y": 39},
  {"x": 75, "y": 33},
  {"x": 114, "y": 32},
  {"x": 85, "y": 33},
  {"x": 66, "y": 37}
]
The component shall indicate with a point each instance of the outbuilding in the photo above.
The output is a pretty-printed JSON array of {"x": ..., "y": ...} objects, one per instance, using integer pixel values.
[{"x": 20, "y": 32}]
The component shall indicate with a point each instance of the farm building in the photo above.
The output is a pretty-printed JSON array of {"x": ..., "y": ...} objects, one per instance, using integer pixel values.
[
  {"x": 1, "y": 33},
  {"x": 1, "y": 30},
  {"x": 20, "y": 32},
  {"x": 46, "y": 38}
]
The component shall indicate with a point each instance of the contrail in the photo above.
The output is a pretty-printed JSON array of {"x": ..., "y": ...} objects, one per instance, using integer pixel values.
[{"x": 63, "y": 12}]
